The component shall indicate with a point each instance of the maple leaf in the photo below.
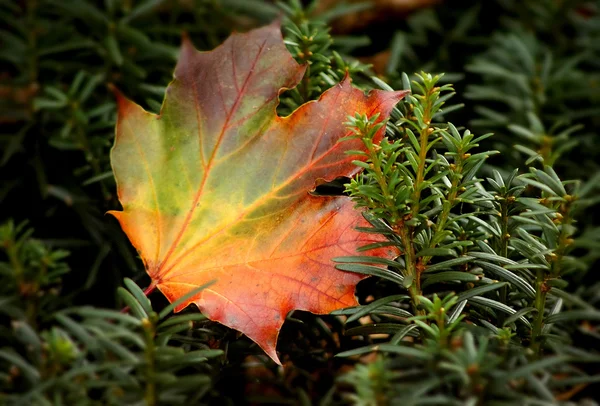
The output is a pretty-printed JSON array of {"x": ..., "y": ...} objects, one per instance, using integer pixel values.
[{"x": 217, "y": 186}]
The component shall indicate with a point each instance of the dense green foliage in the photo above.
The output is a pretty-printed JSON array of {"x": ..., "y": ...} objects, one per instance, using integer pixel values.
[{"x": 493, "y": 299}]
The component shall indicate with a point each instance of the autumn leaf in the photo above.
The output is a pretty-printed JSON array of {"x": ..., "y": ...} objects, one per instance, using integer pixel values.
[{"x": 217, "y": 186}]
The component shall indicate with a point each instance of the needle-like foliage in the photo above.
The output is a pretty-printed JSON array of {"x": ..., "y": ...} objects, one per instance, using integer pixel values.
[{"x": 486, "y": 183}]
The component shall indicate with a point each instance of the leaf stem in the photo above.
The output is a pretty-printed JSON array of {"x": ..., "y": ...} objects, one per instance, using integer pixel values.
[
  {"x": 147, "y": 291},
  {"x": 150, "y": 288}
]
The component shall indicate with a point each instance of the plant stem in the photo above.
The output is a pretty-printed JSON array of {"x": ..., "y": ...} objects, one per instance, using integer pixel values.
[
  {"x": 150, "y": 395},
  {"x": 12, "y": 252},
  {"x": 563, "y": 240},
  {"x": 399, "y": 227},
  {"x": 409, "y": 254},
  {"x": 88, "y": 153},
  {"x": 541, "y": 289},
  {"x": 411, "y": 267},
  {"x": 441, "y": 323},
  {"x": 539, "y": 304},
  {"x": 448, "y": 204},
  {"x": 504, "y": 237},
  {"x": 424, "y": 138},
  {"x": 443, "y": 218},
  {"x": 32, "y": 40},
  {"x": 504, "y": 229}
]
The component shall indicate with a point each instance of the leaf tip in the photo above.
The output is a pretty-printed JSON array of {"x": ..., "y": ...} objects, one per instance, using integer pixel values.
[
  {"x": 347, "y": 78},
  {"x": 114, "y": 213},
  {"x": 123, "y": 103},
  {"x": 401, "y": 94},
  {"x": 273, "y": 355},
  {"x": 187, "y": 45},
  {"x": 277, "y": 22}
]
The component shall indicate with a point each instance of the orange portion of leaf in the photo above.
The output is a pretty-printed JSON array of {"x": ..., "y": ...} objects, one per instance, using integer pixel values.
[{"x": 217, "y": 186}]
